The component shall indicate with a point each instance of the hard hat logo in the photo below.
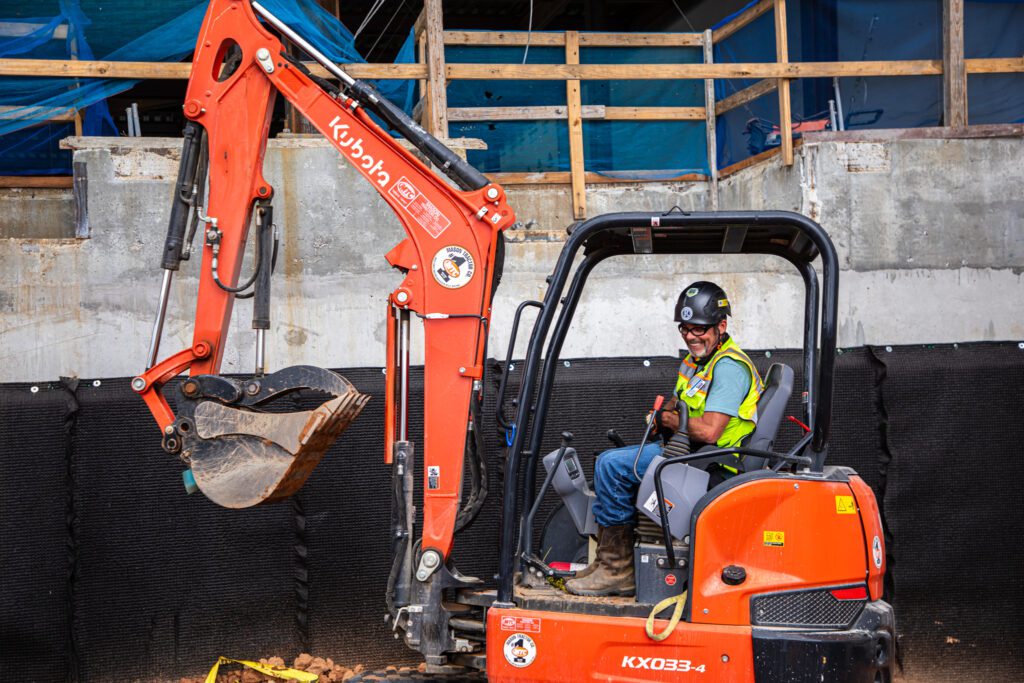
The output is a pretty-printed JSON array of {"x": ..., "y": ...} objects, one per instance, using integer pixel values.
[
  {"x": 453, "y": 267},
  {"x": 692, "y": 291},
  {"x": 686, "y": 313}
]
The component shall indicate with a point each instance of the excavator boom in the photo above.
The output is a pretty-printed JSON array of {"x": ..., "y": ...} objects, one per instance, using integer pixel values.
[{"x": 238, "y": 453}]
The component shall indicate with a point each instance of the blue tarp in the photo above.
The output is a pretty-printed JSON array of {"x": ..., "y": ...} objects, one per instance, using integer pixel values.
[{"x": 121, "y": 30}]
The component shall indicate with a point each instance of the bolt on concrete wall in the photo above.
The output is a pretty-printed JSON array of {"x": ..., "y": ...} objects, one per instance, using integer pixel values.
[{"x": 930, "y": 235}]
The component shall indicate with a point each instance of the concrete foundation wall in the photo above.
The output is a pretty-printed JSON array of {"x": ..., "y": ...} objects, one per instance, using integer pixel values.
[{"x": 930, "y": 235}]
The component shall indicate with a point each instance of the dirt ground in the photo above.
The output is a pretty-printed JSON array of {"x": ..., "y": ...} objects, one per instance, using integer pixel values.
[{"x": 326, "y": 669}]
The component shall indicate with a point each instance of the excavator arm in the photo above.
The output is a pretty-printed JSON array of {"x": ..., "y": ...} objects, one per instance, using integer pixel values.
[{"x": 239, "y": 452}]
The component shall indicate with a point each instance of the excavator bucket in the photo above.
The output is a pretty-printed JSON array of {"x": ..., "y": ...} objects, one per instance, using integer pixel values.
[{"x": 243, "y": 450}]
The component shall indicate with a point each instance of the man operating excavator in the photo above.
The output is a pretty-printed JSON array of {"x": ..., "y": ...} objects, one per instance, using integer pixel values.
[{"x": 719, "y": 387}]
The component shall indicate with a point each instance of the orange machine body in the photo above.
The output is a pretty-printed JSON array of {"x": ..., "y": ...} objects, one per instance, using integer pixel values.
[{"x": 788, "y": 533}]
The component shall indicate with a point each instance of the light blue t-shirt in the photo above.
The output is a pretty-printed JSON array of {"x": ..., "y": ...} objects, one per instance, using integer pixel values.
[{"x": 729, "y": 386}]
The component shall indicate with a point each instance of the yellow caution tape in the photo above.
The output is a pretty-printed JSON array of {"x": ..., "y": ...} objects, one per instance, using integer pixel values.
[
  {"x": 677, "y": 613},
  {"x": 275, "y": 671}
]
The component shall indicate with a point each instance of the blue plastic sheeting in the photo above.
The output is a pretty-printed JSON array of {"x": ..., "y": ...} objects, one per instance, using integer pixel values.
[
  {"x": 122, "y": 31},
  {"x": 856, "y": 30},
  {"x": 622, "y": 148}
]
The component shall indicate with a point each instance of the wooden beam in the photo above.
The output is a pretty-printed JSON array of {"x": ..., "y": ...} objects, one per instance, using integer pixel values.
[
  {"x": 51, "y": 113},
  {"x": 738, "y": 99},
  {"x": 520, "y": 38},
  {"x": 436, "y": 119},
  {"x": 535, "y": 72},
  {"x": 640, "y": 39},
  {"x": 626, "y": 72},
  {"x": 575, "y": 107},
  {"x": 588, "y": 112},
  {"x": 591, "y": 178},
  {"x": 39, "y": 181},
  {"x": 503, "y": 38},
  {"x": 742, "y": 20},
  {"x": 69, "y": 68},
  {"x": 782, "y": 57},
  {"x": 995, "y": 65},
  {"x": 710, "y": 122},
  {"x": 654, "y": 113},
  {"x": 750, "y": 161},
  {"x": 954, "y": 71},
  {"x": 17, "y": 29},
  {"x": 554, "y": 113}
]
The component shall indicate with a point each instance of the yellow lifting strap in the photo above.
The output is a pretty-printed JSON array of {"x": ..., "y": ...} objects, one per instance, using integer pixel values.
[
  {"x": 275, "y": 671},
  {"x": 677, "y": 613}
]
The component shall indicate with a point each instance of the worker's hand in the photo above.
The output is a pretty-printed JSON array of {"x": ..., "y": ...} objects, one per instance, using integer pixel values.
[{"x": 669, "y": 420}]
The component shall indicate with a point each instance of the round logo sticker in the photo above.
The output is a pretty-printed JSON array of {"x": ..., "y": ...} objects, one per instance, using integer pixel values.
[
  {"x": 692, "y": 291},
  {"x": 453, "y": 267},
  {"x": 670, "y": 579},
  {"x": 686, "y": 313},
  {"x": 520, "y": 650},
  {"x": 876, "y": 552}
]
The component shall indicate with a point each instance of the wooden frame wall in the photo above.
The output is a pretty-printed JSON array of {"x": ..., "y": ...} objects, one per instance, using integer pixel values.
[{"x": 434, "y": 73}]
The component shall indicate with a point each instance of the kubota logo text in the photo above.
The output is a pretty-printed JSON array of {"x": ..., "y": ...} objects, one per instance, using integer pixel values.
[{"x": 354, "y": 147}]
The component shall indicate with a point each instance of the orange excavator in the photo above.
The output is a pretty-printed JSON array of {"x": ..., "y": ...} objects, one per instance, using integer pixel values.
[{"x": 775, "y": 574}]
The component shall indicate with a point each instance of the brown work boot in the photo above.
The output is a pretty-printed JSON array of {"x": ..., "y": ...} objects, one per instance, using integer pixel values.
[
  {"x": 612, "y": 572},
  {"x": 589, "y": 569}
]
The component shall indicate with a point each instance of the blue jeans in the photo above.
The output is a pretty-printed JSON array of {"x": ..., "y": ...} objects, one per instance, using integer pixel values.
[{"x": 615, "y": 485}]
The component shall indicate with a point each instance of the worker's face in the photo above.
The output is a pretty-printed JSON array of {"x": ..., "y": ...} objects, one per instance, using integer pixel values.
[{"x": 701, "y": 340}]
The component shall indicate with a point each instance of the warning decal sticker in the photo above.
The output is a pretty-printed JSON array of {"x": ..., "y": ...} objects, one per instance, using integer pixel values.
[
  {"x": 419, "y": 207},
  {"x": 524, "y": 624},
  {"x": 775, "y": 538},
  {"x": 845, "y": 505}
]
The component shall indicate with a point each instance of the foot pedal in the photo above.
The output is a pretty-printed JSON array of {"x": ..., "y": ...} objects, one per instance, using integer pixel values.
[{"x": 240, "y": 453}]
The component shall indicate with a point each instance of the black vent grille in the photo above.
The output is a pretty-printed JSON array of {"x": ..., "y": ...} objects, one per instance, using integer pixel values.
[{"x": 817, "y": 608}]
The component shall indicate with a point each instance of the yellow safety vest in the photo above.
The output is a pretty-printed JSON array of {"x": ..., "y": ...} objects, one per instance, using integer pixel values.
[{"x": 693, "y": 384}]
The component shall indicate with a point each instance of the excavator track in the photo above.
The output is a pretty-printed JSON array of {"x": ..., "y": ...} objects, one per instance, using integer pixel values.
[{"x": 241, "y": 449}]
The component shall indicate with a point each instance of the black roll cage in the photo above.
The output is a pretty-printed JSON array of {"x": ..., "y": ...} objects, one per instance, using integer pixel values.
[{"x": 785, "y": 234}]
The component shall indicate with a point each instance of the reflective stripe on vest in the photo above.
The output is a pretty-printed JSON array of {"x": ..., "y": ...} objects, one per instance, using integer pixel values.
[{"x": 692, "y": 389}]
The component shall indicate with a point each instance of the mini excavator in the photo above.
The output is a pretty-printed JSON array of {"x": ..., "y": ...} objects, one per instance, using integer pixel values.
[{"x": 773, "y": 575}]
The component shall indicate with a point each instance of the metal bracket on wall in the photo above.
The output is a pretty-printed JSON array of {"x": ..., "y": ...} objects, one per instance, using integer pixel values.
[{"x": 80, "y": 193}]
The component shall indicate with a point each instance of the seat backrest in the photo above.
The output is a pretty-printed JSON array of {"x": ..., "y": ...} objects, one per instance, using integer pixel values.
[{"x": 771, "y": 407}]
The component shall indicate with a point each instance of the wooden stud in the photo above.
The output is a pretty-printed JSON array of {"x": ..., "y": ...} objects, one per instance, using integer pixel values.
[
  {"x": 954, "y": 70},
  {"x": 710, "y": 122},
  {"x": 437, "y": 114},
  {"x": 738, "y": 99},
  {"x": 576, "y": 162},
  {"x": 742, "y": 20},
  {"x": 782, "y": 57}
]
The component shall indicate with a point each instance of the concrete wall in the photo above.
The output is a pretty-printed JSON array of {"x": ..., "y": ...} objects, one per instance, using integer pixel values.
[{"x": 930, "y": 234}]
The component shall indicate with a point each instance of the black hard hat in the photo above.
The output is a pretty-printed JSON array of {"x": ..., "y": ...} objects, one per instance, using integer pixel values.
[{"x": 702, "y": 303}]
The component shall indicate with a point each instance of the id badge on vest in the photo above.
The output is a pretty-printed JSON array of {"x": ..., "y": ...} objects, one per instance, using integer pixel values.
[{"x": 696, "y": 386}]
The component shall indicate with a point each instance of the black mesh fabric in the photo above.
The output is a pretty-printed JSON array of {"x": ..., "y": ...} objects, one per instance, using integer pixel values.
[
  {"x": 167, "y": 582},
  {"x": 953, "y": 505},
  {"x": 110, "y": 572},
  {"x": 35, "y": 554}
]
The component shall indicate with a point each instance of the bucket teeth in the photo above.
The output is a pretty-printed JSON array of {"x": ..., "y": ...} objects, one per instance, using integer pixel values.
[{"x": 242, "y": 457}]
